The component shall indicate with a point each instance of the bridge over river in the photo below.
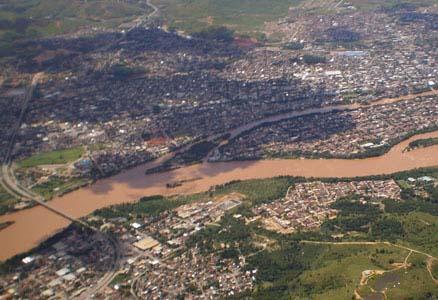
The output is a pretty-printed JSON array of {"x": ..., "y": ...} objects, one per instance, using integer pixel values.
[{"x": 31, "y": 226}]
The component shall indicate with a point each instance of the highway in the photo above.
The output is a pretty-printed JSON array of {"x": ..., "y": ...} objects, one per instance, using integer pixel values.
[{"x": 9, "y": 182}]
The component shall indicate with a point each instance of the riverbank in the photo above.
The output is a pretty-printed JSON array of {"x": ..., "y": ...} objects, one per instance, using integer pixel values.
[{"x": 34, "y": 225}]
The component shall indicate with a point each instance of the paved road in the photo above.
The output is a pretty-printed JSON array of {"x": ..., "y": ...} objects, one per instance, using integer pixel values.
[
  {"x": 10, "y": 184},
  {"x": 241, "y": 130},
  {"x": 106, "y": 279},
  {"x": 7, "y": 180}
]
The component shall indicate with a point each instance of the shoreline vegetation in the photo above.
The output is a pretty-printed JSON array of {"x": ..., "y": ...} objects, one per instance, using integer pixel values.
[
  {"x": 392, "y": 232},
  {"x": 202, "y": 149},
  {"x": 173, "y": 164},
  {"x": 5, "y": 224},
  {"x": 369, "y": 153},
  {"x": 259, "y": 190},
  {"x": 421, "y": 143}
]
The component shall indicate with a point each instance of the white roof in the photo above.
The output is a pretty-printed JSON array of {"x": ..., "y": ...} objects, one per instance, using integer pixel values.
[
  {"x": 63, "y": 271},
  {"x": 135, "y": 225},
  {"x": 69, "y": 277},
  {"x": 28, "y": 259}
]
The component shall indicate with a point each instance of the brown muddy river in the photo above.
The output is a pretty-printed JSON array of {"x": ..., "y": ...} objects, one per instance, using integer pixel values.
[{"x": 36, "y": 224}]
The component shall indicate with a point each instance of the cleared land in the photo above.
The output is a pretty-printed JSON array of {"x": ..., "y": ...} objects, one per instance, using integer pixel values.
[{"x": 241, "y": 15}]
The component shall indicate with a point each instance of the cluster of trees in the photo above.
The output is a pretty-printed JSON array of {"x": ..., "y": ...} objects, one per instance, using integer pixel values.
[
  {"x": 259, "y": 191},
  {"x": 220, "y": 34},
  {"x": 19, "y": 25},
  {"x": 232, "y": 232},
  {"x": 294, "y": 46},
  {"x": 407, "y": 206},
  {"x": 342, "y": 35},
  {"x": 421, "y": 143},
  {"x": 147, "y": 206},
  {"x": 122, "y": 71},
  {"x": 387, "y": 228},
  {"x": 353, "y": 215},
  {"x": 196, "y": 152},
  {"x": 314, "y": 59},
  {"x": 279, "y": 270},
  {"x": 275, "y": 265},
  {"x": 430, "y": 19}
]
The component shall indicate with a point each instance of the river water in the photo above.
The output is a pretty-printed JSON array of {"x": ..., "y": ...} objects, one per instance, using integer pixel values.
[{"x": 36, "y": 224}]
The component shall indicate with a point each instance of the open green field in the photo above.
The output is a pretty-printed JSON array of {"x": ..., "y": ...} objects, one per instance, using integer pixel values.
[
  {"x": 249, "y": 16},
  {"x": 27, "y": 19},
  {"x": 255, "y": 191},
  {"x": 373, "y": 4},
  {"x": 52, "y": 158},
  {"x": 336, "y": 272},
  {"x": 411, "y": 283},
  {"x": 420, "y": 232},
  {"x": 290, "y": 267},
  {"x": 244, "y": 16},
  {"x": 258, "y": 191},
  {"x": 21, "y": 19}
]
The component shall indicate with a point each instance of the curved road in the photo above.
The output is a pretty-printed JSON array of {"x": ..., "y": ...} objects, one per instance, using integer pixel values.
[
  {"x": 34, "y": 224},
  {"x": 429, "y": 261},
  {"x": 9, "y": 182}
]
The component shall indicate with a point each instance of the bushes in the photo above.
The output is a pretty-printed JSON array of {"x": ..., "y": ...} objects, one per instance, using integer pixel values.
[
  {"x": 221, "y": 34},
  {"x": 342, "y": 35},
  {"x": 408, "y": 206},
  {"x": 294, "y": 46},
  {"x": 387, "y": 228},
  {"x": 278, "y": 264},
  {"x": 353, "y": 215},
  {"x": 423, "y": 143},
  {"x": 314, "y": 59},
  {"x": 147, "y": 206},
  {"x": 121, "y": 71},
  {"x": 259, "y": 191},
  {"x": 196, "y": 152}
]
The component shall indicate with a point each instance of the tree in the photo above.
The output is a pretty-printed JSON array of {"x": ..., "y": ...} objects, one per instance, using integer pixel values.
[{"x": 221, "y": 34}]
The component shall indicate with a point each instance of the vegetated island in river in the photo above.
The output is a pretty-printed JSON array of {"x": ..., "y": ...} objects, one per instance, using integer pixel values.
[
  {"x": 36, "y": 224},
  {"x": 422, "y": 143}
]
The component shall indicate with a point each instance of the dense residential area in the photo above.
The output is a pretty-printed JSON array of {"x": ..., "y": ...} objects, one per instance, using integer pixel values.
[
  {"x": 208, "y": 245},
  {"x": 355, "y": 133},
  {"x": 206, "y": 149}
]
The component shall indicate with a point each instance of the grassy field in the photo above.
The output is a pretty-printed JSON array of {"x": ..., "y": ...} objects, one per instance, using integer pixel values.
[
  {"x": 310, "y": 271},
  {"x": 373, "y": 4},
  {"x": 52, "y": 158},
  {"x": 254, "y": 191},
  {"x": 290, "y": 268},
  {"x": 20, "y": 19},
  {"x": 412, "y": 283},
  {"x": 420, "y": 232},
  {"x": 58, "y": 186},
  {"x": 337, "y": 271},
  {"x": 244, "y": 16},
  {"x": 258, "y": 190}
]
